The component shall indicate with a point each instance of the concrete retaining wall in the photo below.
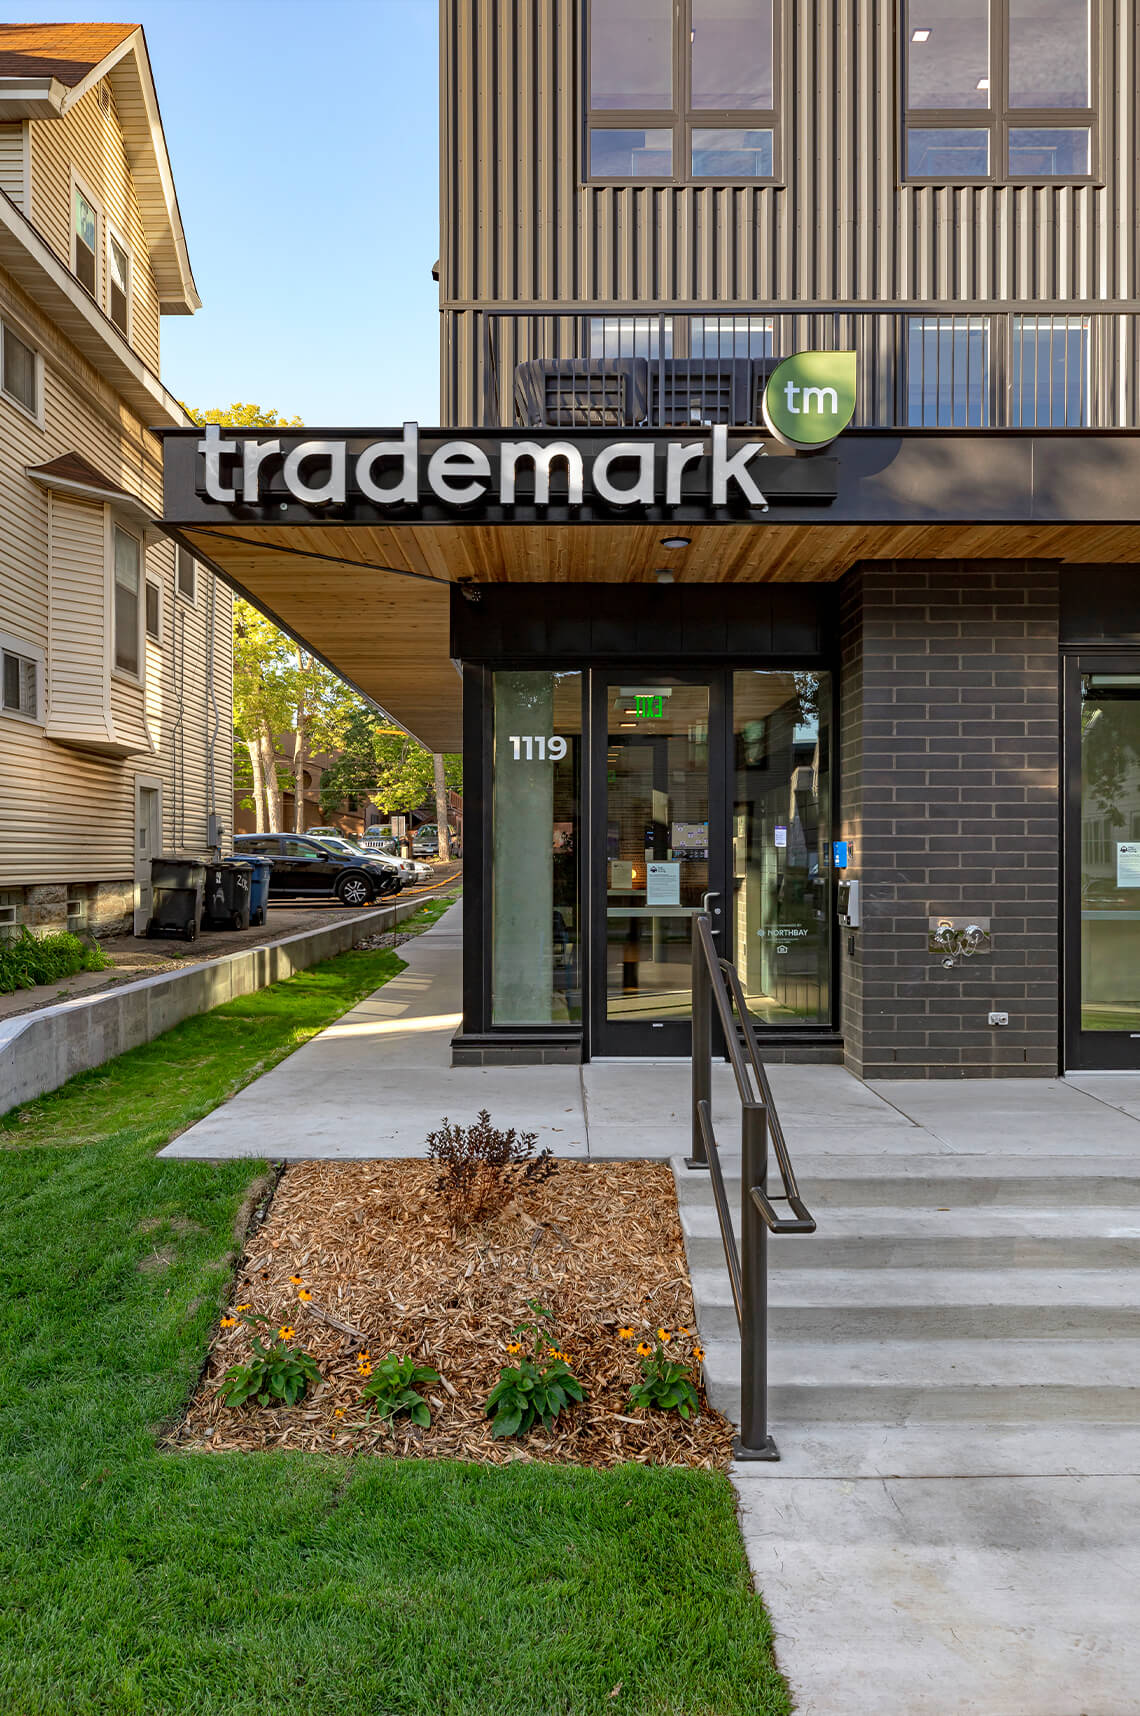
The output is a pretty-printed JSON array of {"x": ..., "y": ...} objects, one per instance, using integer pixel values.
[{"x": 40, "y": 1051}]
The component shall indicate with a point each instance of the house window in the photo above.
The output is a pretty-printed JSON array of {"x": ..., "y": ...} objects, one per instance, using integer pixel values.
[
  {"x": 127, "y": 580},
  {"x": 21, "y": 684},
  {"x": 1050, "y": 372},
  {"x": 85, "y": 239},
  {"x": 18, "y": 377},
  {"x": 682, "y": 91},
  {"x": 186, "y": 574},
  {"x": 1000, "y": 90},
  {"x": 153, "y": 610},
  {"x": 119, "y": 298}
]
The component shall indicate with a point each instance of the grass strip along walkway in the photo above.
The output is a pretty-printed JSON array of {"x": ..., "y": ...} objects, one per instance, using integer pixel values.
[{"x": 136, "y": 1580}]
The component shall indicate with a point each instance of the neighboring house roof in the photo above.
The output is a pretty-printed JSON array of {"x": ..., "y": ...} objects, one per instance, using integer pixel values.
[
  {"x": 45, "y": 69},
  {"x": 72, "y": 474}
]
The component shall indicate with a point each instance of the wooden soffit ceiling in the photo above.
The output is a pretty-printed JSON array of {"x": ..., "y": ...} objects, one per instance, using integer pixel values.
[{"x": 373, "y": 600}]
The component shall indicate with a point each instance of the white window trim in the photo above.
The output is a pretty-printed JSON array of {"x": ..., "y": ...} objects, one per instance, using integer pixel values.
[
  {"x": 36, "y": 416},
  {"x": 190, "y": 601},
  {"x": 79, "y": 184},
  {"x": 152, "y": 580},
  {"x": 33, "y": 652},
  {"x": 113, "y": 232},
  {"x": 132, "y": 530}
]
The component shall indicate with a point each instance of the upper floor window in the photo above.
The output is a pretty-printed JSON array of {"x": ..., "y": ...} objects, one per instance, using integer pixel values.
[
  {"x": 119, "y": 277},
  {"x": 19, "y": 377},
  {"x": 681, "y": 90},
  {"x": 20, "y": 688},
  {"x": 85, "y": 241},
  {"x": 186, "y": 574},
  {"x": 1000, "y": 89},
  {"x": 127, "y": 573}
]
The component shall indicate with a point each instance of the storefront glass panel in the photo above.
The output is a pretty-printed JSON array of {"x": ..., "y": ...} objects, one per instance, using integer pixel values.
[
  {"x": 1110, "y": 853},
  {"x": 535, "y": 908},
  {"x": 781, "y": 844},
  {"x": 656, "y": 845}
]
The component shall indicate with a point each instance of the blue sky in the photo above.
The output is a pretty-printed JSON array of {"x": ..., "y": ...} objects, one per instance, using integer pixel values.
[{"x": 304, "y": 140}]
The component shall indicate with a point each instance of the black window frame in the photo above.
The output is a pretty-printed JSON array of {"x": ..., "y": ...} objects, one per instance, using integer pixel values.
[
  {"x": 682, "y": 119},
  {"x": 998, "y": 119}
]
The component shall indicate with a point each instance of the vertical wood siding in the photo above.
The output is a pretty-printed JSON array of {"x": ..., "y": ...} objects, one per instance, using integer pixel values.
[{"x": 519, "y": 223}]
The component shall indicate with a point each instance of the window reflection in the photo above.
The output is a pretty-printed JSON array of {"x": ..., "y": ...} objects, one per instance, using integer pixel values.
[
  {"x": 1110, "y": 852},
  {"x": 631, "y": 54},
  {"x": 1049, "y": 53},
  {"x": 948, "y": 372},
  {"x": 948, "y": 54},
  {"x": 781, "y": 844},
  {"x": 732, "y": 54}
]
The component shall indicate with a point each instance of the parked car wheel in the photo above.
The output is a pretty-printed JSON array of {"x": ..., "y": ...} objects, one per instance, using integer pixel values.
[{"x": 354, "y": 891}]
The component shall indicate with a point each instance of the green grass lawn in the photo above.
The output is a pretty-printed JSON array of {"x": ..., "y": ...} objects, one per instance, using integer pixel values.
[{"x": 136, "y": 1580}]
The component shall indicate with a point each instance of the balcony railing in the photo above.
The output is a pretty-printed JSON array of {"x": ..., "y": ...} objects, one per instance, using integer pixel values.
[{"x": 924, "y": 368}]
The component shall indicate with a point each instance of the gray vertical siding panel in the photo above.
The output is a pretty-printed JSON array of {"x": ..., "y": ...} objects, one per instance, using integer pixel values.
[{"x": 519, "y": 221}]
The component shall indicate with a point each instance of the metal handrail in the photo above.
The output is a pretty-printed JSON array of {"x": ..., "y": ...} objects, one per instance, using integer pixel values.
[{"x": 716, "y": 985}]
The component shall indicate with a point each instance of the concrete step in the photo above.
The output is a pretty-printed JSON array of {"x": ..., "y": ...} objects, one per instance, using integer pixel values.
[
  {"x": 958, "y": 1182},
  {"x": 896, "y": 1381},
  {"x": 984, "y": 1237},
  {"x": 931, "y": 1304},
  {"x": 961, "y": 1449}
]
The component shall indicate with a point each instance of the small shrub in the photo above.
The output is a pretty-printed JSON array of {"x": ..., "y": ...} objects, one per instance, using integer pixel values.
[
  {"x": 478, "y": 1163},
  {"x": 27, "y": 960},
  {"x": 537, "y": 1388},
  {"x": 393, "y": 1387},
  {"x": 666, "y": 1378},
  {"x": 277, "y": 1375}
]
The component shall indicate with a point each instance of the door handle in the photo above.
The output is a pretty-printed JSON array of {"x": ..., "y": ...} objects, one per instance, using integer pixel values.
[{"x": 713, "y": 894}]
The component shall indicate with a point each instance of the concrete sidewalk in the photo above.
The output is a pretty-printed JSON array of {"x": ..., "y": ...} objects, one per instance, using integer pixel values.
[{"x": 954, "y": 1526}]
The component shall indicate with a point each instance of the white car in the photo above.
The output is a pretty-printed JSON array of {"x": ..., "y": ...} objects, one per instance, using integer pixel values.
[{"x": 413, "y": 871}]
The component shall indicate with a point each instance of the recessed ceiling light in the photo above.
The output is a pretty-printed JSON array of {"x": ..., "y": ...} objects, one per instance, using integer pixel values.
[
  {"x": 627, "y": 723},
  {"x": 663, "y": 575},
  {"x": 676, "y": 541},
  {"x": 920, "y": 36},
  {"x": 983, "y": 83}
]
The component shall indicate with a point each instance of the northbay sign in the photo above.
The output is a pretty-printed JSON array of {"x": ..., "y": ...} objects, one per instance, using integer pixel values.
[{"x": 414, "y": 475}]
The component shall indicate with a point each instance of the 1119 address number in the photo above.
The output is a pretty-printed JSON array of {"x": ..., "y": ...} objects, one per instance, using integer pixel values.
[{"x": 534, "y": 747}]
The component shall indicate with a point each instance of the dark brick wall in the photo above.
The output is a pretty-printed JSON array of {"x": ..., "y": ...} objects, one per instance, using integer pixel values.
[{"x": 950, "y": 757}]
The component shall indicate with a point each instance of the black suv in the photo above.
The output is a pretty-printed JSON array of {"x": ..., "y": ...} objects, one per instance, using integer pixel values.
[{"x": 304, "y": 865}]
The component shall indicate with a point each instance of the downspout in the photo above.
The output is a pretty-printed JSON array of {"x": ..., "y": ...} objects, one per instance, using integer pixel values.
[{"x": 213, "y": 830}]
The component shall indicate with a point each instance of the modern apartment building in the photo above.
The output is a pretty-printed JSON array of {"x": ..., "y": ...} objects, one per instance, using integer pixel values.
[
  {"x": 783, "y": 528},
  {"x": 115, "y": 716}
]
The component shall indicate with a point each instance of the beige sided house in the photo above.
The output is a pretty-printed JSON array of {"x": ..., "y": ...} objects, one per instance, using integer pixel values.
[{"x": 115, "y": 710}]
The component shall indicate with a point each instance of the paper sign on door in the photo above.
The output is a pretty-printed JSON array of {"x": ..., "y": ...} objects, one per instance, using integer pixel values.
[
  {"x": 1128, "y": 863},
  {"x": 663, "y": 884}
]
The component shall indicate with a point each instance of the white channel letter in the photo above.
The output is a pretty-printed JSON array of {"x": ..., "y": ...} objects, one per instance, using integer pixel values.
[
  {"x": 679, "y": 454},
  {"x": 453, "y": 460},
  {"x": 543, "y": 458},
  {"x": 407, "y": 449},
  {"x": 214, "y": 449},
  {"x": 641, "y": 492},
  {"x": 726, "y": 470},
  {"x": 817, "y": 393},
  {"x": 330, "y": 490},
  {"x": 253, "y": 454}
]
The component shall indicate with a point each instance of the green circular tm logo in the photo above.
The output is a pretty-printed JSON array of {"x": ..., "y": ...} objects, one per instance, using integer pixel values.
[{"x": 810, "y": 398}]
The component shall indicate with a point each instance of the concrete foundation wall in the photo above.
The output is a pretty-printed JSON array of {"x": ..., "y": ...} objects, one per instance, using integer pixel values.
[
  {"x": 40, "y": 1051},
  {"x": 950, "y": 711}
]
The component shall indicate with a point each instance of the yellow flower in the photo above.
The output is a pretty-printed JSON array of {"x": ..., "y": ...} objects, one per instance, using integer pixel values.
[
  {"x": 364, "y": 1370},
  {"x": 682, "y": 1331},
  {"x": 297, "y": 1280},
  {"x": 664, "y": 1335},
  {"x": 338, "y": 1412},
  {"x": 304, "y": 1295},
  {"x": 241, "y": 1307},
  {"x": 553, "y": 1351},
  {"x": 625, "y": 1334},
  {"x": 644, "y": 1350},
  {"x": 698, "y": 1353},
  {"x": 514, "y": 1346},
  {"x": 285, "y": 1332},
  {"x": 228, "y": 1322},
  {"x": 364, "y": 1358}
]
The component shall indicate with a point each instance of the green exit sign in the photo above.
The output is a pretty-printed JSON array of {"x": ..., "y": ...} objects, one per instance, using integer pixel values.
[{"x": 650, "y": 707}]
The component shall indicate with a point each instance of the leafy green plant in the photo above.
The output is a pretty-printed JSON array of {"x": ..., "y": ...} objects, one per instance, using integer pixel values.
[
  {"x": 393, "y": 1387},
  {"x": 27, "y": 959},
  {"x": 666, "y": 1379},
  {"x": 538, "y": 1387},
  {"x": 276, "y": 1375}
]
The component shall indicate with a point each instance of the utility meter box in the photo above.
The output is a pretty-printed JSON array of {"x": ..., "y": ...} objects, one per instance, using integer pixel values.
[{"x": 847, "y": 904}]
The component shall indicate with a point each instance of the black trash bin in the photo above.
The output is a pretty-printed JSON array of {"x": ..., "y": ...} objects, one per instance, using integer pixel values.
[
  {"x": 177, "y": 891},
  {"x": 227, "y": 895}
]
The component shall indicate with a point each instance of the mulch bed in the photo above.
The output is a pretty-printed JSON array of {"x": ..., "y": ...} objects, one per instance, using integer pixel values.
[{"x": 598, "y": 1244}]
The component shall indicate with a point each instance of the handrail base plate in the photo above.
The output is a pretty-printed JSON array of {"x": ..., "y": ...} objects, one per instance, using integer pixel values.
[
  {"x": 695, "y": 1162},
  {"x": 768, "y": 1451}
]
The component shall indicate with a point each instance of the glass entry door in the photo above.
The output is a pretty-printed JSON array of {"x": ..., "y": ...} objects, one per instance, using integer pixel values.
[
  {"x": 659, "y": 849},
  {"x": 1103, "y": 864}
]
